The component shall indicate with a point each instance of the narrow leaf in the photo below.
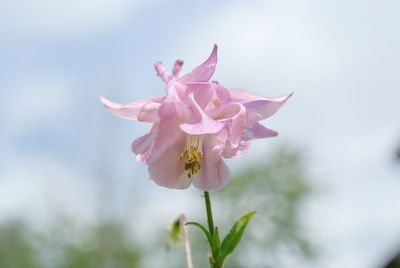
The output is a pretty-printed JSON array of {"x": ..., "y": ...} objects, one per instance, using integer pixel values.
[
  {"x": 232, "y": 239},
  {"x": 208, "y": 235},
  {"x": 216, "y": 244}
]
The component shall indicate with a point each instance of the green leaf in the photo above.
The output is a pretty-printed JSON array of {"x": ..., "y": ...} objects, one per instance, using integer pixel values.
[
  {"x": 216, "y": 244},
  {"x": 208, "y": 235},
  {"x": 232, "y": 239}
]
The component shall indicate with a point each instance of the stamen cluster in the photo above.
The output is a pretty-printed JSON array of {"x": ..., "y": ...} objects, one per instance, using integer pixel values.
[
  {"x": 192, "y": 164},
  {"x": 193, "y": 154}
]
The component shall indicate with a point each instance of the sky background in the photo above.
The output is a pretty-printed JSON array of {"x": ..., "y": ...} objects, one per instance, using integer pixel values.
[{"x": 340, "y": 58}]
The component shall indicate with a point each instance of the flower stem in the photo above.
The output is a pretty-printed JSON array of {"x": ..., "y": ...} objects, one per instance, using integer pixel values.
[
  {"x": 188, "y": 253},
  {"x": 209, "y": 213},
  {"x": 214, "y": 263}
]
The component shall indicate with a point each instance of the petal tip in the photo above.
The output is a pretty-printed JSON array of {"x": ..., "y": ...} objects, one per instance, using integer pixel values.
[
  {"x": 215, "y": 47},
  {"x": 214, "y": 52},
  {"x": 105, "y": 101}
]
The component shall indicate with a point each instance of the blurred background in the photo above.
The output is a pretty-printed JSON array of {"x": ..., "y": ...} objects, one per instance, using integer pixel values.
[{"x": 327, "y": 188}]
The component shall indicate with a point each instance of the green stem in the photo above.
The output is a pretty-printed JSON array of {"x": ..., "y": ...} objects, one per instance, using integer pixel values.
[
  {"x": 209, "y": 213},
  {"x": 213, "y": 262}
]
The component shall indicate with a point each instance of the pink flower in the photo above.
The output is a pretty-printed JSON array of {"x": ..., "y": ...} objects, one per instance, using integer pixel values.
[{"x": 196, "y": 124}]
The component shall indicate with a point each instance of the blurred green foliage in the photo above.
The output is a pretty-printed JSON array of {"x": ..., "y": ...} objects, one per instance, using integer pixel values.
[
  {"x": 107, "y": 247},
  {"x": 16, "y": 250},
  {"x": 104, "y": 246},
  {"x": 276, "y": 187}
]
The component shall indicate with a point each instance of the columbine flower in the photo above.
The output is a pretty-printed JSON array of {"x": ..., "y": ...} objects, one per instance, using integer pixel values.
[{"x": 196, "y": 124}]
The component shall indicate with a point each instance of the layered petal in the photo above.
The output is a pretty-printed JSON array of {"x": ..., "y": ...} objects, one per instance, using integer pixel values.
[
  {"x": 235, "y": 116},
  {"x": 217, "y": 143},
  {"x": 202, "y": 92},
  {"x": 175, "y": 90},
  {"x": 238, "y": 152},
  {"x": 203, "y": 72},
  {"x": 203, "y": 124},
  {"x": 142, "y": 146},
  {"x": 149, "y": 112},
  {"x": 162, "y": 72},
  {"x": 258, "y": 131},
  {"x": 217, "y": 101},
  {"x": 167, "y": 132},
  {"x": 168, "y": 170},
  {"x": 213, "y": 175},
  {"x": 258, "y": 107},
  {"x": 177, "y": 69},
  {"x": 132, "y": 110}
]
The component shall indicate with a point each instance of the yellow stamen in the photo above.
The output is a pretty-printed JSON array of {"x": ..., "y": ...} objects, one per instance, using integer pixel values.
[{"x": 193, "y": 154}]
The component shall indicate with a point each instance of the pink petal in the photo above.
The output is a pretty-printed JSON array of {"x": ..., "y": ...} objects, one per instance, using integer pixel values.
[
  {"x": 219, "y": 98},
  {"x": 213, "y": 175},
  {"x": 167, "y": 132},
  {"x": 241, "y": 150},
  {"x": 203, "y": 72},
  {"x": 130, "y": 110},
  {"x": 235, "y": 116},
  {"x": 175, "y": 90},
  {"x": 149, "y": 112},
  {"x": 142, "y": 146},
  {"x": 217, "y": 143},
  {"x": 223, "y": 94},
  {"x": 258, "y": 107},
  {"x": 162, "y": 72},
  {"x": 202, "y": 92},
  {"x": 177, "y": 69},
  {"x": 204, "y": 124},
  {"x": 258, "y": 131},
  {"x": 168, "y": 170}
]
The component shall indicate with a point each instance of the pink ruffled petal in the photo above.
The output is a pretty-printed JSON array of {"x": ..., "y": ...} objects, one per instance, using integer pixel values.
[
  {"x": 167, "y": 127},
  {"x": 218, "y": 143},
  {"x": 162, "y": 72},
  {"x": 235, "y": 116},
  {"x": 176, "y": 91},
  {"x": 202, "y": 92},
  {"x": 177, "y": 69},
  {"x": 223, "y": 94},
  {"x": 213, "y": 175},
  {"x": 258, "y": 131},
  {"x": 203, "y": 72},
  {"x": 149, "y": 112},
  {"x": 241, "y": 150},
  {"x": 218, "y": 99},
  {"x": 259, "y": 107},
  {"x": 204, "y": 124},
  {"x": 142, "y": 146},
  {"x": 130, "y": 110},
  {"x": 168, "y": 170}
]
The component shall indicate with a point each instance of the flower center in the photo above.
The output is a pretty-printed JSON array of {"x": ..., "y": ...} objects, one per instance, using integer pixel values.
[{"x": 193, "y": 154}]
